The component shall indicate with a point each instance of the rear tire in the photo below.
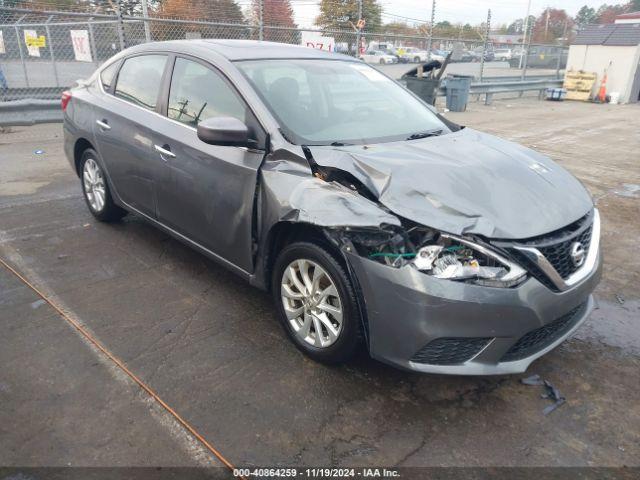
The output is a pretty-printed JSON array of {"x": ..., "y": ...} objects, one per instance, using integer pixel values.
[
  {"x": 323, "y": 322},
  {"x": 95, "y": 189}
]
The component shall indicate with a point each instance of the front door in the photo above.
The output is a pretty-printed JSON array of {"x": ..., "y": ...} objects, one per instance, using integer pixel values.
[{"x": 206, "y": 192}]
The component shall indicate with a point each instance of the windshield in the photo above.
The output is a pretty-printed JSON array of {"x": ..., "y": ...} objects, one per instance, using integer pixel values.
[{"x": 324, "y": 102}]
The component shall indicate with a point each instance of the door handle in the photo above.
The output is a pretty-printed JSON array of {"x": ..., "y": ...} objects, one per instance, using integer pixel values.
[
  {"x": 103, "y": 124},
  {"x": 163, "y": 151}
]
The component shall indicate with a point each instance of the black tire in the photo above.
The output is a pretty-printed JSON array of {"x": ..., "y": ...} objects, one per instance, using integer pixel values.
[
  {"x": 382, "y": 62},
  {"x": 110, "y": 212},
  {"x": 350, "y": 337},
  {"x": 417, "y": 59}
]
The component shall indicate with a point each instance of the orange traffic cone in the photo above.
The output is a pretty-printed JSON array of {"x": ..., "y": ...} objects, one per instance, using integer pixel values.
[{"x": 602, "y": 93}]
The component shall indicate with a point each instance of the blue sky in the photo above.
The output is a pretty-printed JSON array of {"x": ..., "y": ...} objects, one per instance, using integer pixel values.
[{"x": 466, "y": 11}]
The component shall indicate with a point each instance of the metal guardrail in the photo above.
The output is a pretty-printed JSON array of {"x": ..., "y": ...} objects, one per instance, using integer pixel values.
[
  {"x": 498, "y": 85},
  {"x": 39, "y": 93},
  {"x": 518, "y": 78},
  {"x": 489, "y": 89},
  {"x": 20, "y": 113}
]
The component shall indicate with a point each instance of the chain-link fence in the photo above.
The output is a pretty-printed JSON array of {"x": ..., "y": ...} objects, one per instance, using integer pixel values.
[{"x": 44, "y": 52}]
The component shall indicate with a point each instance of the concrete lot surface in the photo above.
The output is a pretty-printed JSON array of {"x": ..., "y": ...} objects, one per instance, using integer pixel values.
[{"x": 210, "y": 345}]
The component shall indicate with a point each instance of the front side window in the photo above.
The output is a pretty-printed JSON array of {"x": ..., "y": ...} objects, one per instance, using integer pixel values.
[
  {"x": 140, "y": 78},
  {"x": 198, "y": 93},
  {"x": 320, "y": 102}
]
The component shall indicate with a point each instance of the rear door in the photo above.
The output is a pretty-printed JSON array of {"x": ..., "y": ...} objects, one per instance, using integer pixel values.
[
  {"x": 124, "y": 126},
  {"x": 206, "y": 192}
]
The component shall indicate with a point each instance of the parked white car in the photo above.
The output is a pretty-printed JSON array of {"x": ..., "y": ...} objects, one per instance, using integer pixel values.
[
  {"x": 378, "y": 56},
  {"x": 503, "y": 54},
  {"x": 415, "y": 55},
  {"x": 436, "y": 55}
]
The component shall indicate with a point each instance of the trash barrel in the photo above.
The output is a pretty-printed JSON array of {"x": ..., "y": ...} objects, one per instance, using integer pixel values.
[
  {"x": 425, "y": 88},
  {"x": 458, "y": 92}
]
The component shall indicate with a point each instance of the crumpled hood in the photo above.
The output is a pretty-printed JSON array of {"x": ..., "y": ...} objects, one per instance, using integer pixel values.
[{"x": 466, "y": 182}]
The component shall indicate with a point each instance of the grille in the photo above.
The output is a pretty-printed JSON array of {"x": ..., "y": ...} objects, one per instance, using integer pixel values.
[
  {"x": 537, "y": 339},
  {"x": 559, "y": 255},
  {"x": 556, "y": 247},
  {"x": 450, "y": 351}
]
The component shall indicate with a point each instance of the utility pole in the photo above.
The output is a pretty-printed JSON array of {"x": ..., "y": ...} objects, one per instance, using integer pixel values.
[
  {"x": 526, "y": 29},
  {"x": 433, "y": 19},
  {"x": 486, "y": 44},
  {"x": 546, "y": 26},
  {"x": 145, "y": 14}
]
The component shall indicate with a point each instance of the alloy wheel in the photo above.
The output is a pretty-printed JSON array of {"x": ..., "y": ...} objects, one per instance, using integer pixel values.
[
  {"x": 94, "y": 186},
  {"x": 311, "y": 303}
]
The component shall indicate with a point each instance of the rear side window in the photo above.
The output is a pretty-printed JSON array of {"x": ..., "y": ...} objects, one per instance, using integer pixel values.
[
  {"x": 140, "y": 79},
  {"x": 198, "y": 93},
  {"x": 107, "y": 75}
]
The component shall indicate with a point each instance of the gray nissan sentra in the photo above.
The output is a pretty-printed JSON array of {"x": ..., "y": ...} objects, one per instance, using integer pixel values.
[{"x": 371, "y": 219}]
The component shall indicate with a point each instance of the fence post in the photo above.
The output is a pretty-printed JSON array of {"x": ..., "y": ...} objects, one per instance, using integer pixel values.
[
  {"x": 562, "y": 48},
  {"x": 92, "y": 43},
  {"x": 358, "y": 30},
  {"x": 24, "y": 65},
  {"x": 52, "y": 54},
  {"x": 526, "y": 54},
  {"x": 260, "y": 20},
  {"x": 433, "y": 19},
  {"x": 120, "y": 26},
  {"x": 486, "y": 44},
  {"x": 145, "y": 14}
]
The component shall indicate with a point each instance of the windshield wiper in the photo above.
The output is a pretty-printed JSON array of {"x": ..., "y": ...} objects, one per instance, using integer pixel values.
[
  {"x": 339, "y": 144},
  {"x": 431, "y": 133}
]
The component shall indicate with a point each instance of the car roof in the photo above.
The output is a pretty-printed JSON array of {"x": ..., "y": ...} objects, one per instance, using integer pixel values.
[{"x": 234, "y": 50}]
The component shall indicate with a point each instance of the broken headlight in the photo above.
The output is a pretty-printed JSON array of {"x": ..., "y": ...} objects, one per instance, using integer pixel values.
[
  {"x": 455, "y": 258},
  {"x": 440, "y": 255}
]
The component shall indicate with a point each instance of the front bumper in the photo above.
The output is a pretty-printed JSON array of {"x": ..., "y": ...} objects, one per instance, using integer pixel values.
[{"x": 407, "y": 309}]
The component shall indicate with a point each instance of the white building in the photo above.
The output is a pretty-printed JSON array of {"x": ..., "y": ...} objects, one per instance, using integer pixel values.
[
  {"x": 633, "y": 17},
  {"x": 614, "y": 48}
]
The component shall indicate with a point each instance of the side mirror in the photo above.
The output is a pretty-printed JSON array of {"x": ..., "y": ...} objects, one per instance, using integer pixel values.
[{"x": 224, "y": 131}]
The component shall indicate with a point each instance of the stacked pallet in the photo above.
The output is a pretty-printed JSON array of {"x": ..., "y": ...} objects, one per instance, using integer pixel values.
[{"x": 579, "y": 85}]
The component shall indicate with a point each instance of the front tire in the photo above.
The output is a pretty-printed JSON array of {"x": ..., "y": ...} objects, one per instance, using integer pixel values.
[
  {"x": 316, "y": 303},
  {"x": 96, "y": 189}
]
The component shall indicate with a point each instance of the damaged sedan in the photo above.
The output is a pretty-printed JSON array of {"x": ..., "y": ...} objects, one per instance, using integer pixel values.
[{"x": 374, "y": 221}]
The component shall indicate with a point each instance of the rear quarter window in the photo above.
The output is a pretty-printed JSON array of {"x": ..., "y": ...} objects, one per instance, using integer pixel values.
[{"x": 107, "y": 75}]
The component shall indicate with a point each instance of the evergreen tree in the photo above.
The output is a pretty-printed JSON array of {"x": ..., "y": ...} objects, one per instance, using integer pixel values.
[{"x": 586, "y": 15}]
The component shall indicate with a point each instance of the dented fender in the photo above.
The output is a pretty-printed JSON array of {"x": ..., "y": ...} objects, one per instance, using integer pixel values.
[{"x": 289, "y": 192}]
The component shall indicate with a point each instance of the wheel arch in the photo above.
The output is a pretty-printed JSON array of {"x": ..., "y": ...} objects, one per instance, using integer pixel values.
[
  {"x": 285, "y": 233},
  {"x": 81, "y": 145}
]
